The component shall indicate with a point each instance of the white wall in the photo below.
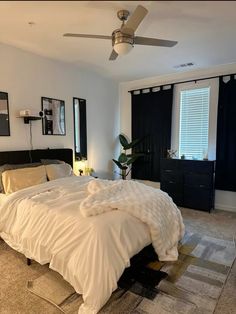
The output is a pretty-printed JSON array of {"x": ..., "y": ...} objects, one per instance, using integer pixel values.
[
  {"x": 27, "y": 77},
  {"x": 223, "y": 199}
]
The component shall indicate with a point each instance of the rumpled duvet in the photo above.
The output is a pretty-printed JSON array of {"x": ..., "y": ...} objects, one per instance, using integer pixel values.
[
  {"x": 151, "y": 206},
  {"x": 46, "y": 223}
]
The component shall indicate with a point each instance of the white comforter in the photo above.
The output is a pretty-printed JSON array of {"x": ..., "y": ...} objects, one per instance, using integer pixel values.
[
  {"x": 45, "y": 223},
  {"x": 150, "y": 205}
]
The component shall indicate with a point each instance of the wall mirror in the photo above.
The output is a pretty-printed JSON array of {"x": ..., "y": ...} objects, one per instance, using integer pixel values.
[
  {"x": 53, "y": 116},
  {"x": 4, "y": 115},
  {"x": 80, "y": 128}
]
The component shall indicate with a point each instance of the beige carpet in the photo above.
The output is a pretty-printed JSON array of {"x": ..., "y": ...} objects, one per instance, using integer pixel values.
[
  {"x": 15, "y": 298},
  {"x": 193, "y": 285}
]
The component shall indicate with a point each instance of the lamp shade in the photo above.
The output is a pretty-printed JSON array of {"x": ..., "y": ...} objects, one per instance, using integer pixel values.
[{"x": 122, "y": 48}]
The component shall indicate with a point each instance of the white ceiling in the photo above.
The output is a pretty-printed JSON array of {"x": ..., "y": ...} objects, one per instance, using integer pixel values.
[{"x": 205, "y": 31}]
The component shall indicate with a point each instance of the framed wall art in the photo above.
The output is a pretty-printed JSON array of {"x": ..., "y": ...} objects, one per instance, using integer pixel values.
[{"x": 53, "y": 116}]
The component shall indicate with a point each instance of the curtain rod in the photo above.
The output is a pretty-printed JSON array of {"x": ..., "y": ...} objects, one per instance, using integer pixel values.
[{"x": 182, "y": 82}]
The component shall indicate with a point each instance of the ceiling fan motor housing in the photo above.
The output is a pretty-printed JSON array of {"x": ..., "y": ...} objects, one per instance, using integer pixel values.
[
  {"x": 118, "y": 37},
  {"x": 123, "y": 15}
]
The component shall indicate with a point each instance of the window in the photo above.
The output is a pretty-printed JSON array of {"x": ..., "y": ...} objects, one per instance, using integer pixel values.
[{"x": 194, "y": 123}]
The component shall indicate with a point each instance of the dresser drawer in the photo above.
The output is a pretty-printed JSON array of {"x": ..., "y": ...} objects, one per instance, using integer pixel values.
[
  {"x": 190, "y": 183},
  {"x": 198, "y": 180},
  {"x": 198, "y": 166},
  {"x": 172, "y": 176},
  {"x": 175, "y": 194},
  {"x": 170, "y": 164},
  {"x": 198, "y": 198}
]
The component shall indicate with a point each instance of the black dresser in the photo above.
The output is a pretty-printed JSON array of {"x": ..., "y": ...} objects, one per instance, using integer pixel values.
[{"x": 190, "y": 183}]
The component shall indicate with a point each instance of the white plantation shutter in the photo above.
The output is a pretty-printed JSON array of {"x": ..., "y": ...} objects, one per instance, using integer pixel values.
[{"x": 194, "y": 122}]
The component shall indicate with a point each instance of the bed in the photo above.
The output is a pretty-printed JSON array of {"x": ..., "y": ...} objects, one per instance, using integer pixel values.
[{"x": 71, "y": 224}]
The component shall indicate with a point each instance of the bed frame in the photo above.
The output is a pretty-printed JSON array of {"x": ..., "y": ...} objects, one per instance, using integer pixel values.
[
  {"x": 66, "y": 154},
  {"x": 30, "y": 156}
]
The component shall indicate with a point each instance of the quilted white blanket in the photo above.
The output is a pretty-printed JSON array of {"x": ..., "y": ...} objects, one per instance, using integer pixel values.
[{"x": 152, "y": 206}]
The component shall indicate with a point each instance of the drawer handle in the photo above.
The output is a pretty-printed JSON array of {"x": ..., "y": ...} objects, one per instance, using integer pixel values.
[
  {"x": 202, "y": 186},
  {"x": 167, "y": 170},
  {"x": 171, "y": 182}
]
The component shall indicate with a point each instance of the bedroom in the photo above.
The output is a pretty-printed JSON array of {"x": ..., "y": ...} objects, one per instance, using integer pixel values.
[{"x": 37, "y": 61}]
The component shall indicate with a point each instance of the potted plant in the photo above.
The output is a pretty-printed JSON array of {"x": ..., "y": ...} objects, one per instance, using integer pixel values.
[{"x": 125, "y": 160}]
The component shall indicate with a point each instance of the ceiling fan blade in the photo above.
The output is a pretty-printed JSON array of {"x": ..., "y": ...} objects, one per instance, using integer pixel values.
[
  {"x": 154, "y": 42},
  {"x": 128, "y": 31},
  {"x": 136, "y": 18},
  {"x": 87, "y": 36},
  {"x": 113, "y": 55}
]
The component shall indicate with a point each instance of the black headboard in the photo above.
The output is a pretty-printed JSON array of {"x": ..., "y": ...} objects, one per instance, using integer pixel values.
[{"x": 27, "y": 156}]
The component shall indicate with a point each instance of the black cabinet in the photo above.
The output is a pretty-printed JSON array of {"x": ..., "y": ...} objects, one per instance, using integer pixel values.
[{"x": 190, "y": 183}]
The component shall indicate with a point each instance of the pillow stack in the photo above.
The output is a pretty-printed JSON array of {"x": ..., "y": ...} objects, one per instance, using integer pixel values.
[
  {"x": 18, "y": 179},
  {"x": 20, "y": 176}
]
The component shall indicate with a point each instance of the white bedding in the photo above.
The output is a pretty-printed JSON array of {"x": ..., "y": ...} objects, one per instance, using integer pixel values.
[
  {"x": 44, "y": 223},
  {"x": 2, "y": 198},
  {"x": 151, "y": 206}
]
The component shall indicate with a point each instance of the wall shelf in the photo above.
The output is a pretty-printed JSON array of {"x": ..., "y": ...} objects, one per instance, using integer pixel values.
[{"x": 30, "y": 118}]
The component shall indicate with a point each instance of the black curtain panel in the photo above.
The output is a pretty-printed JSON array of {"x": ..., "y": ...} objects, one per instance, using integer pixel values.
[
  {"x": 151, "y": 122},
  {"x": 226, "y": 136}
]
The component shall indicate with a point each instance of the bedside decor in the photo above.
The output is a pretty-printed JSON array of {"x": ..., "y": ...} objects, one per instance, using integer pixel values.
[
  {"x": 29, "y": 116},
  {"x": 171, "y": 153},
  {"x": 54, "y": 116},
  {"x": 4, "y": 115},
  {"x": 88, "y": 171},
  {"x": 125, "y": 160}
]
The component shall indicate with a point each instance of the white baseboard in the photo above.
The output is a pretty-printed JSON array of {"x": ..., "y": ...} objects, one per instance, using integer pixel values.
[{"x": 225, "y": 207}]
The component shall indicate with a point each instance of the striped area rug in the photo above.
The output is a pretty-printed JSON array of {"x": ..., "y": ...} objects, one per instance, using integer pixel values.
[{"x": 193, "y": 285}]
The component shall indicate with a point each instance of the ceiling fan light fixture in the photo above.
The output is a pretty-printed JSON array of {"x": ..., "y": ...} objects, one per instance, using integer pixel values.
[
  {"x": 122, "y": 43},
  {"x": 123, "y": 48}
]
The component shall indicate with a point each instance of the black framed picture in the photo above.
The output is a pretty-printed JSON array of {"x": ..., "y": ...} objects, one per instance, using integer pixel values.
[
  {"x": 53, "y": 116},
  {"x": 4, "y": 115}
]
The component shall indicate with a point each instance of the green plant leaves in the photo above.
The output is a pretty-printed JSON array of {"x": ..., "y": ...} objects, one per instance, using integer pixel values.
[
  {"x": 125, "y": 161},
  {"x": 117, "y": 163},
  {"x": 122, "y": 167},
  {"x": 123, "y": 140},
  {"x": 126, "y": 145},
  {"x": 133, "y": 143},
  {"x": 123, "y": 158}
]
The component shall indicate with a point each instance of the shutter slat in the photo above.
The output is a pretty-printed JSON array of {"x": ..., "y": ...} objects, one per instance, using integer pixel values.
[{"x": 194, "y": 122}]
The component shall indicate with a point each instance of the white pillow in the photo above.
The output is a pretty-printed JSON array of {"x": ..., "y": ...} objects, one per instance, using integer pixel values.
[
  {"x": 17, "y": 179},
  {"x": 57, "y": 171}
]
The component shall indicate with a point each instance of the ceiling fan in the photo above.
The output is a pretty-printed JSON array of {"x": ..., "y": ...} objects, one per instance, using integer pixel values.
[{"x": 123, "y": 39}]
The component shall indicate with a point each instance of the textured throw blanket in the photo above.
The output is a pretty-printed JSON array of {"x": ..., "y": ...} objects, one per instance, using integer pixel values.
[{"x": 152, "y": 206}]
